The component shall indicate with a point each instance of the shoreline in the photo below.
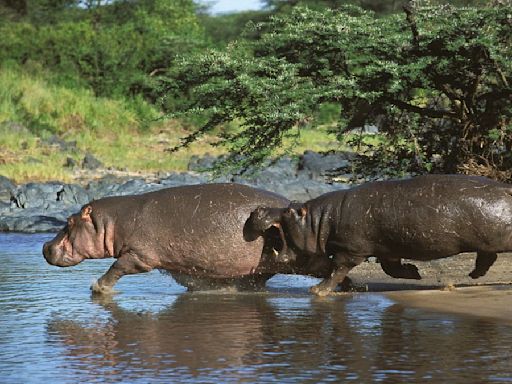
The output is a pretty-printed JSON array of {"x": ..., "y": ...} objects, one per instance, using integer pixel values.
[
  {"x": 44, "y": 207},
  {"x": 490, "y": 302}
]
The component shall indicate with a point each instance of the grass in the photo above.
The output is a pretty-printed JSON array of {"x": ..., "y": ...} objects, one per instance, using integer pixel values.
[{"x": 33, "y": 109}]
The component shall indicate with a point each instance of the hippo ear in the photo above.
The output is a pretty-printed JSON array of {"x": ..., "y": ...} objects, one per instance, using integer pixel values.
[
  {"x": 86, "y": 213},
  {"x": 302, "y": 211}
]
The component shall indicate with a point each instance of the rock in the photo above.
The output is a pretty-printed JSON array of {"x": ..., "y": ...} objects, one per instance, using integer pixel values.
[
  {"x": 201, "y": 163},
  {"x": 61, "y": 144},
  {"x": 316, "y": 165},
  {"x": 70, "y": 162},
  {"x": 178, "y": 179},
  {"x": 31, "y": 224},
  {"x": 300, "y": 189},
  {"x": 34, "y": 195},
  {"x": 106, "y": 186},
  {"x": 7, "y": 188},
  {"x": 280, "y": 171},
  {"x": 91, "y": 163},
  {"x": 132, "y": 187},
  {"x": 73, "y": 194},
  {"x": 36, "y": 207}
]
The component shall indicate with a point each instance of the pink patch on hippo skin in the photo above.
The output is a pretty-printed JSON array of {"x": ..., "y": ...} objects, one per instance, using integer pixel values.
[{"x": 86, "y": 213}]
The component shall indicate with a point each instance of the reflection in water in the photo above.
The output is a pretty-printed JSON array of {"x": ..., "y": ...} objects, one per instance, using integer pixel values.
[
  {"x": 258, "y": 337},
  {"x": 52, "y": 330}
]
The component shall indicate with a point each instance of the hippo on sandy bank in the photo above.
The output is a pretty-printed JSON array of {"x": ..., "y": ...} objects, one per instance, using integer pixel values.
[
  {"x": 424, "y": 218},
  {"x": 193, "y": 232}
]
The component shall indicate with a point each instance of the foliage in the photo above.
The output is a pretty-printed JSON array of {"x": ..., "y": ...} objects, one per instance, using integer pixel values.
[
  {"x": 116, "y": 49},
  {"x": 45, "y": 108},
  {"x": 435, "y": 79}
]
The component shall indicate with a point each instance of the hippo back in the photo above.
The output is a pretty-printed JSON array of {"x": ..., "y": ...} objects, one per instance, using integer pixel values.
[{"x": 198, "y": 230}]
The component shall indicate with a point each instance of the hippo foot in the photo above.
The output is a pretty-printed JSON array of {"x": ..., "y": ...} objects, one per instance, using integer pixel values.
[
  {"x": 98, "y": 289},
  {"x": 475, "y": 274},
  {"x": 411, "y": 272},
  {"x": 346, "y": 285},
  {"x": 319, "y": 291}
]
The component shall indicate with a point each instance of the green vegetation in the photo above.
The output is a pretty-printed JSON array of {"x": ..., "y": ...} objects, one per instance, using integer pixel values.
[
  {"x": 124, "y": 80},
  {"x": 123, "y": 134},
  {"x": 434, "y": 79}
]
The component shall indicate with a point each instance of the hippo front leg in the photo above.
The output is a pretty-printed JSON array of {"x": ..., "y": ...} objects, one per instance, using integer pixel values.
[
  {"x": 127, "y": 264},
  {"x": 345, "y": 264}
]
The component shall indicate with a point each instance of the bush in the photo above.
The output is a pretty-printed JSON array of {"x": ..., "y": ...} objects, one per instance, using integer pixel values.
[
  {"x": 115, "y": 49},
  {"x": 435, "y": 79}
]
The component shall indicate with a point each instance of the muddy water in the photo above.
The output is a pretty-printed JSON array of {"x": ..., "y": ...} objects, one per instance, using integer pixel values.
[{"x": 52, "y": 330}]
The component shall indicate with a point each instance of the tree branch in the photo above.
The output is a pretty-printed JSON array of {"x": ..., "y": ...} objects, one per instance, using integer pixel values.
[
  {"x": 411, "y": 20},
  {"x": 434, "y": 113}
]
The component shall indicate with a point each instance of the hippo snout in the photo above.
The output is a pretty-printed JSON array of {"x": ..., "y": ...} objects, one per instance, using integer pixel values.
[
  {"x": 46, "y": 250},
  {"x": 49, "y": 253},
  {"x": 56, "y": 255}
]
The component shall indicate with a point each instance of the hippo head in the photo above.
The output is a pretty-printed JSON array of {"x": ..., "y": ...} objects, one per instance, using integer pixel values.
[
  {"x": 269, "y": 221},
  {"x": 264, "y": 221},
  {"x": 81, "y": 238},
  {"x": 293, "y": 241},
  {"x": 260, "y": 220}
]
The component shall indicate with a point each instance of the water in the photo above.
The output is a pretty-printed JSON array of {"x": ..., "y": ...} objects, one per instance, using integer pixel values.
[{"x": 52, "y": 330}]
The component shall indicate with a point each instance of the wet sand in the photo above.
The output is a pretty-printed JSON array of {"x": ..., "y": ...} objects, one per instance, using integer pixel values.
[
  {"x": 491, "y": 302},
  {"x": 446, "y": 286}
]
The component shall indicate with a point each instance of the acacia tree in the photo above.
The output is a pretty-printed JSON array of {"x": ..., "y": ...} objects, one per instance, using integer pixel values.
[{"x": 435, "y": 79}]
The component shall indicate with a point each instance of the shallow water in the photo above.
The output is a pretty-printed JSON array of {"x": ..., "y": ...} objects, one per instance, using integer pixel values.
[{"x": 152, "y": 331}]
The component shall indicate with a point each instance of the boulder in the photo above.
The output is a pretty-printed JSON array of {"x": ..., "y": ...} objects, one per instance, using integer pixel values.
[
  {"x": 90, "y": 162},
  {"x": 35, "y": 195},
  {"x": 317, "y": 165},
  {"x": 7, "y": 188},
  {"x": 73, "y": 194}
]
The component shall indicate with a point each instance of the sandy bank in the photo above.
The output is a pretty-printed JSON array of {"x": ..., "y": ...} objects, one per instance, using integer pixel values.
[
  {"x": 491, "y": 302},
  {"x": 487, "y": 297}
]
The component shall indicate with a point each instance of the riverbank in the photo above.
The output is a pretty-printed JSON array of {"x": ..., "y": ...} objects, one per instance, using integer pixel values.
[
  {"x": 485, "y": 302},
  {"x": 44, "y": 207},
  {"x": 446, "y": 287}
]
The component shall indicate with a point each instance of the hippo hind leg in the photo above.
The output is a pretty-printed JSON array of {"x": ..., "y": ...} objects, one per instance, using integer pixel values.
[
  {"x": 396, "y": 269},
  {"x": 483, "y": 262}
]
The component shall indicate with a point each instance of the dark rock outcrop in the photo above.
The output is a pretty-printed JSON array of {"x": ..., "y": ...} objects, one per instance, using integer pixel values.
[
  {"x": 43, "y": 207},
  {"x": 90, "y": 162}
]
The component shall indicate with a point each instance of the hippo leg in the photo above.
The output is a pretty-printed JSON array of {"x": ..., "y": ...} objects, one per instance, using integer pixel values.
[
  {"x": 345, "y": 263},
  {"x": 483, "y": 262},
  {"x": 127, "y": 264},
  {"x": 395, "y": 268},
  {"x": 346, "y": 285}
]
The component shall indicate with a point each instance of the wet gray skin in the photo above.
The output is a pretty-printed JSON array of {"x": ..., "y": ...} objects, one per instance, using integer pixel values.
[
  {"x": 424, "y": 218},
  {"x": 188, "y": 231}
]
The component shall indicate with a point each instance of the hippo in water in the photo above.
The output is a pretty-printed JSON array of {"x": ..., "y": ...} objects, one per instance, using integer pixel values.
[
  {"x": 423, "y": 218},
  {"x": 193, "y": 232}
]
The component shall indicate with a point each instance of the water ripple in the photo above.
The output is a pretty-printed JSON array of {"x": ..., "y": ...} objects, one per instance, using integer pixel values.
[{"x": 52, "y": 330}]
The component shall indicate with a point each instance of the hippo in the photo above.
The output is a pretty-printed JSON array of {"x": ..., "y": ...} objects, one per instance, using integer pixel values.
[
  {"x": 193, "y": 232},
  {"x": 423, "y": 218}
]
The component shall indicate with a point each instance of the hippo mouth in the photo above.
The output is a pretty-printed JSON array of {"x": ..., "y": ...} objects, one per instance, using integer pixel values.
[
  {"x": 279, "y": 245},
  {"x": 60, "y": 254}
]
